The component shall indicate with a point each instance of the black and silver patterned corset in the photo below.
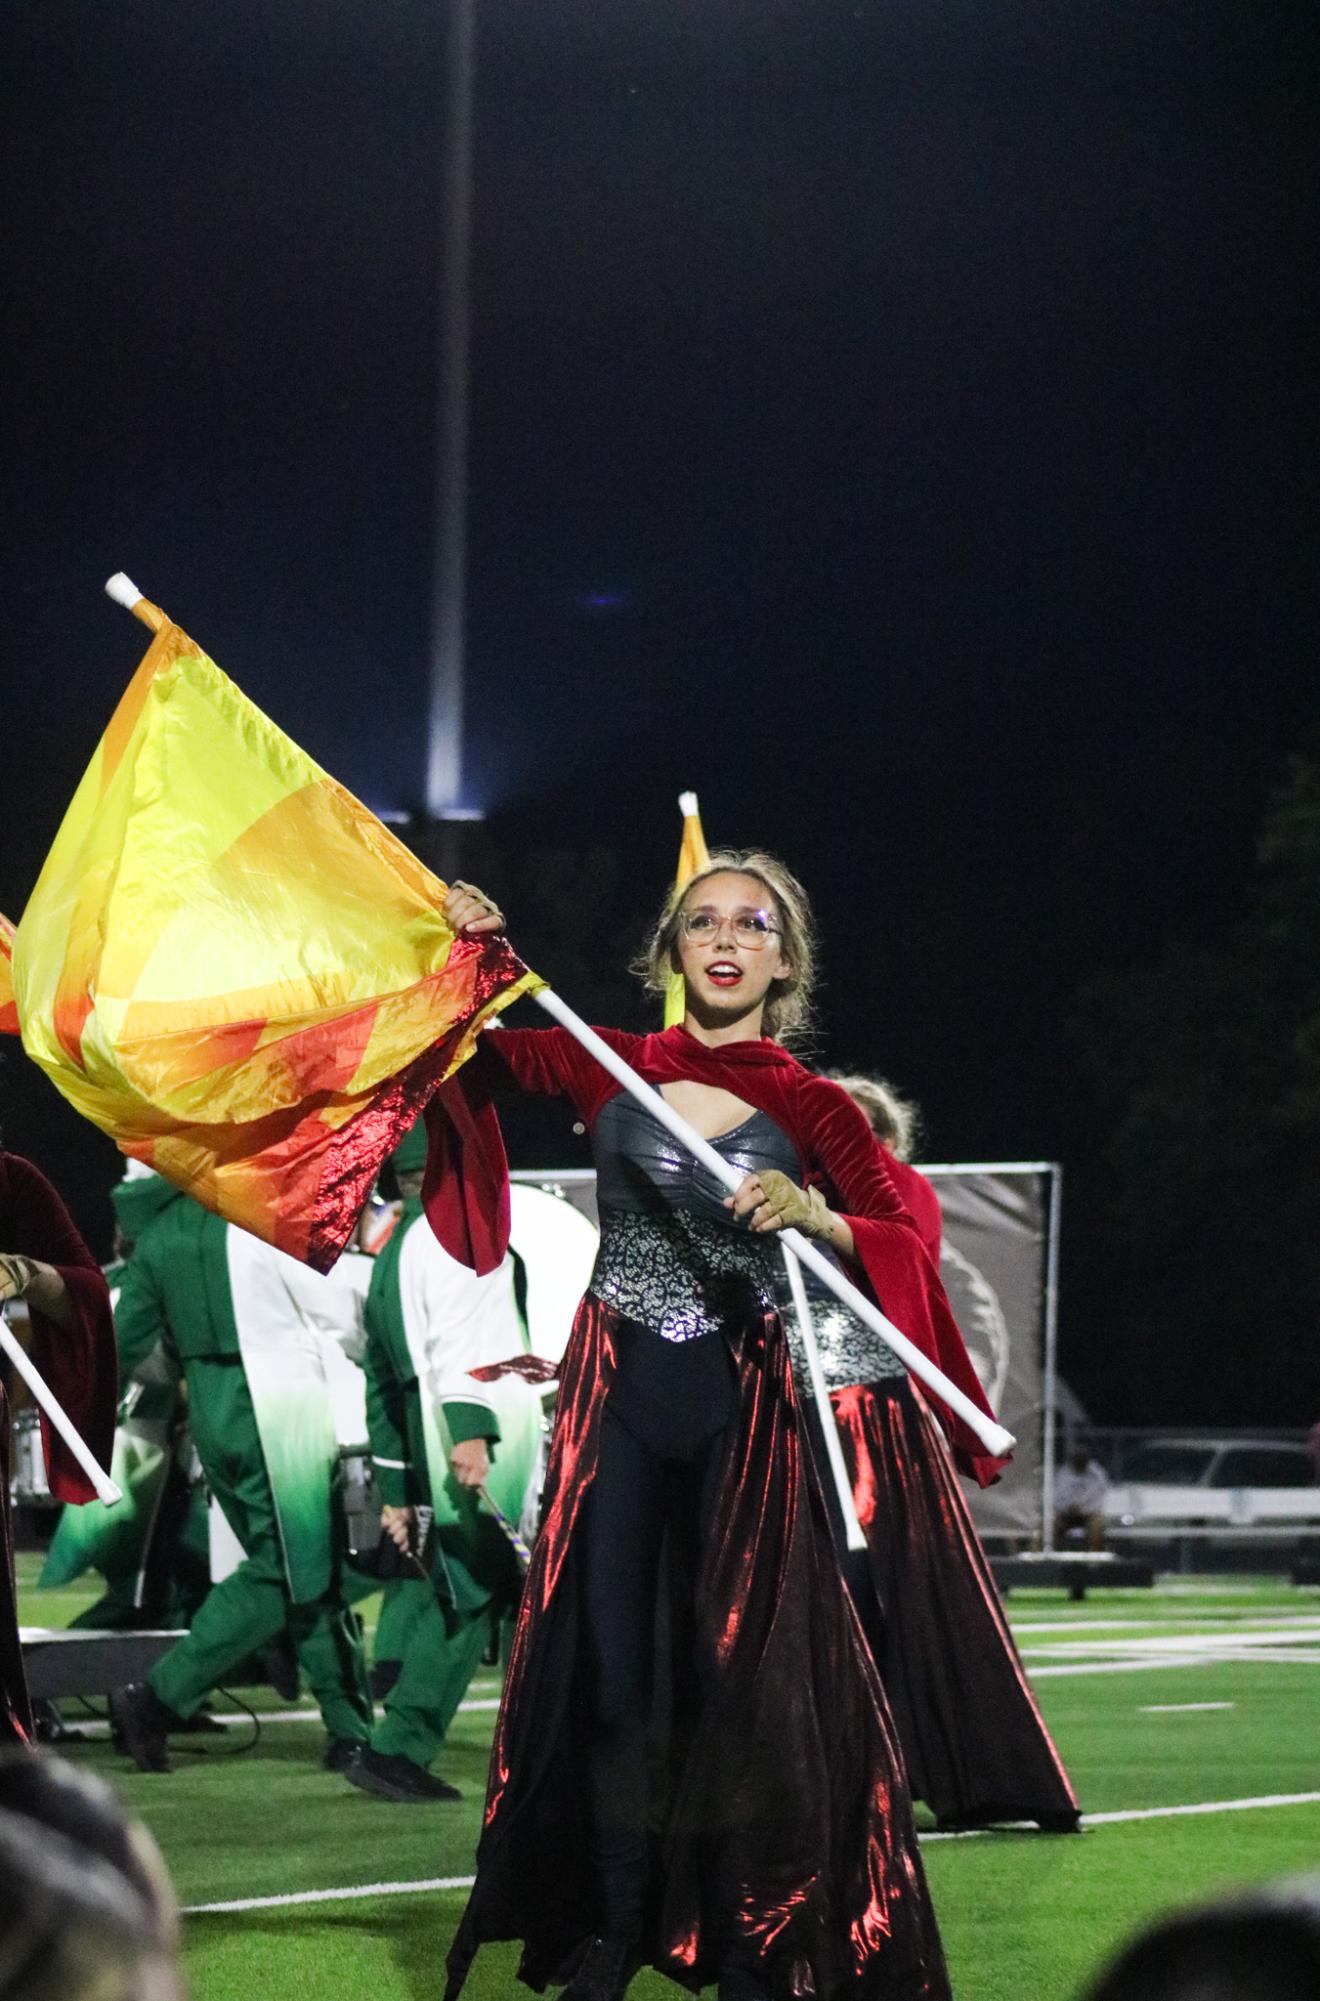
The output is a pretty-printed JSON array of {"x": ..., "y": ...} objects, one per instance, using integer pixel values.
[
  {"x": 671, "y": 1256},
  {"x": 850, "y": 1351}
]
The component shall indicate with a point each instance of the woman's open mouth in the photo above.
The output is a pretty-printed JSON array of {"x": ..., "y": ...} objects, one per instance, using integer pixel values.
[{"x": 724, "y": 973}]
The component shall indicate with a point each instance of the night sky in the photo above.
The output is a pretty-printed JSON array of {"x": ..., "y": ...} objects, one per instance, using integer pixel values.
[{"x": 894, "y": 420}]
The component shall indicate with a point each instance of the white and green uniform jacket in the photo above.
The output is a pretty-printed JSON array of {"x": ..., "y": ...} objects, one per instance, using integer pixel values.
[
  {"x": 207, "y": 1291},
  {"x": 429, "y": 1321}
]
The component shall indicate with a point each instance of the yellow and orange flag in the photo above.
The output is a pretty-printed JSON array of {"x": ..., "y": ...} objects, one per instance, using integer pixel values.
[
  {"x": 234, "y": 969},
  {"x": 8, "y": 1005},
  {"x": 692, "y": 855}
]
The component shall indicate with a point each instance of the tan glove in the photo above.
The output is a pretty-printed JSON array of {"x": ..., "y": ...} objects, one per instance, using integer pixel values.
[
  {"x": 16, "y": 1274},
  {"x": 794, "y": 1208}
]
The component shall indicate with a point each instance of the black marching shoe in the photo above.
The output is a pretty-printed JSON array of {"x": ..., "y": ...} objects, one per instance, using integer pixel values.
[
  {"x": 610, "y": 1963},
  {"x": 141, "y": 1724},
  {"x": 340, "y": 1753},
  {"x": 396, "y": 1778}
]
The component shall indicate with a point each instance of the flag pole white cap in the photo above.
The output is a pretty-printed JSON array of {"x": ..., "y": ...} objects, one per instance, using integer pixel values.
[
  {"x": 123, "y": 590},
  {"x": 687, "y": 801}
]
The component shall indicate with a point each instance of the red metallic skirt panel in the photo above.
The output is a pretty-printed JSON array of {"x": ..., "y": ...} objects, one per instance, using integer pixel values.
[
  {"x": 973, "y": 1739},
  {"x": 781, "y": 1819},
  {"x": 15, "y": 1708}
]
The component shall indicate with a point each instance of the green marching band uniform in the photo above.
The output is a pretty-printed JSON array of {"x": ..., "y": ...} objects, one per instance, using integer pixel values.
[
  {"x": 429, "y": 1321},
  {"x": 249, "y": 1328},
  {"x": 150, "y": 1547}
]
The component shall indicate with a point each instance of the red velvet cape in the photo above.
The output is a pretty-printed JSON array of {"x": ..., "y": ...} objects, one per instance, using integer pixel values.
[
  {"x": 466, "y": 1189},
  {"x": 920, "y": 1201},
  {"x": 81, "y": 1367}
]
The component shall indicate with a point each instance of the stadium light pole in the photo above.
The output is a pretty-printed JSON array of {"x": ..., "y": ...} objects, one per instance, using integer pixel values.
[{"x": 444, "y": 766}]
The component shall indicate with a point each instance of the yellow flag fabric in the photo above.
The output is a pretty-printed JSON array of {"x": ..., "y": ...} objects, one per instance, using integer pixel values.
[
  {"x": 692, "y": 855},
  {"x": 234, "y": 969},
  {"x": 8, "y": 1006}
]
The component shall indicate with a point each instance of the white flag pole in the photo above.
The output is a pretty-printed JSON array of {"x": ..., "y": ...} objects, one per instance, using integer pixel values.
[
  {"x": 854, "y": 1534},
  {"x": 106, "y": 1490},
  {"x": 997, "y": 1442}
]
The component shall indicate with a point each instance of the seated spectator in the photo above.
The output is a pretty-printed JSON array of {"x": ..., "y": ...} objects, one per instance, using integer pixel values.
[
  {"x": 1261, "y": 1946},
  {"x": 86, "y": 1908},
  {"x": 1080, "y": 1487}
]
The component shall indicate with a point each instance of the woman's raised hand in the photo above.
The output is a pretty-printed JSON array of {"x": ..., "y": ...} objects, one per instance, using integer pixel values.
[
  {"x": 16, "y": 1274},
  {"x": 469, "y": 911}
]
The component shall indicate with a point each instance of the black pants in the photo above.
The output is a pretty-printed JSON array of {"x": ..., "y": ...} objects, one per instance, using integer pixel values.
[{"x": 661, "y": 1447}]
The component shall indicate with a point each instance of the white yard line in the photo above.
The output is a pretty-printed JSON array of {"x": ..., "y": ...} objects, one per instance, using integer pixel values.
[
  {"x": 1146, "y": 1664},
  {"x": 344, "y": 1896},
  {"x": 1208, "y": 1657},
  {"x": 1210, "y": 1651},
  {"x": 355, "y": 1892},
  {"x": 1088, "y": 1625},
  {"x": 1172, "y": 1643},
  {"x": 1216, "y": 1621},
  {"x": 1179, "y": 1708}
]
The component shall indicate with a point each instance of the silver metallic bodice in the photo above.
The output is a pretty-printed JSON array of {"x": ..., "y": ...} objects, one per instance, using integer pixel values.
[
  {"x": 671, "y": 1255},
  {"x": 850, "y": 1352}
]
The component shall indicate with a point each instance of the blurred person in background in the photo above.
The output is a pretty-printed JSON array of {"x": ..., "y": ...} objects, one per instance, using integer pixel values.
[
  {"x": 150, "y": 1547},
  {"x": 87, "y": 1912},
  {"x": 438, "y": 1436},
  {"x": 45, "y": 1264},
  {"x": 1081, "y": 1486},
  {"x": 973, "y": 1739},
  {"x": 248, "y": 1326},
  {"x": 1262, "y": 1945}
]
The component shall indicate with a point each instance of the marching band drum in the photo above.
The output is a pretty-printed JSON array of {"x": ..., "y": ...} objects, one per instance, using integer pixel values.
[{"x": 28, "y": 1484}]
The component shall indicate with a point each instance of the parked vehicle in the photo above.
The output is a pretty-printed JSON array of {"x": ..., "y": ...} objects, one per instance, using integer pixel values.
[{"x": 1224, "y": 1484}]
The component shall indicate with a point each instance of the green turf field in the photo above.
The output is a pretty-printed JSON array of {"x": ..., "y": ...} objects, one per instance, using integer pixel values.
[{"x": 1188, "y": 1696}]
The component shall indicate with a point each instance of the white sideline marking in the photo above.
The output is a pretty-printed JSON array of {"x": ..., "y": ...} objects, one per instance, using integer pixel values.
[
  {"x": 1180, "y": 1708},
  {"x": 1202, "y": 1806},
  {"x": 352, "y": 1892},
  {"x": 1125, "y": 1814},
  {"x": 346, "y": 1895}
]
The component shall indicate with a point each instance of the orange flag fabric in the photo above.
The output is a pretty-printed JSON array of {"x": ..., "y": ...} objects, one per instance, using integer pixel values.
[
  {"x": 234, "y": 969},
  {"x": 8, "y": 1005}
]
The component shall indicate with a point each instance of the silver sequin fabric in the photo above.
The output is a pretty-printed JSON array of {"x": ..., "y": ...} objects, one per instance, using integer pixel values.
[
  {"x": 680, "y": 1273},
  {"x": 850, "y": 1352}
]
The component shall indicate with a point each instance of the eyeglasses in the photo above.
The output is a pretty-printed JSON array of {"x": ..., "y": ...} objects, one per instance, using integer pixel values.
[{"x": 751, "y": 928}]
